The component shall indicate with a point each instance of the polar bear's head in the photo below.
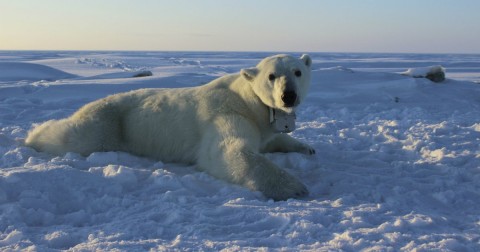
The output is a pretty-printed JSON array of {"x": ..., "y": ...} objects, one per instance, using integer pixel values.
[{"x": 281, "y": 81}]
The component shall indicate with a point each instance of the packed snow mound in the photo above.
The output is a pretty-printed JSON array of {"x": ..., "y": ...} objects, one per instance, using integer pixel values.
[
  {"x": 396, "y": 168},
  {"x": 18, "y": 71},
  {"x": 433, "y": 73},
  {"x": 22, "y": 71},
  {"x": 120, "y": 75},
  {"x": 338, "y": 68}
]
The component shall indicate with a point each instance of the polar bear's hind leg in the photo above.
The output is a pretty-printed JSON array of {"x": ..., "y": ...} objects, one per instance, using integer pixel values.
[{"x": 95, "y": 127}]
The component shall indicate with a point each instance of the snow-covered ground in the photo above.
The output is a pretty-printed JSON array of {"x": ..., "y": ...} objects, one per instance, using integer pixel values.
[{"x": 397, "y": 164}]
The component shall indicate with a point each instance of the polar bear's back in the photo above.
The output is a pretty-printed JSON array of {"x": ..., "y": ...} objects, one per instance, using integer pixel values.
[
  {"x": 164, "y": 125},
  {"x": 169, "y": 124}
]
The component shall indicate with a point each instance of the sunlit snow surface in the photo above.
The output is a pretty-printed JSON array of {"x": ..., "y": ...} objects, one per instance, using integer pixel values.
[{"x": 397, "y": 164}]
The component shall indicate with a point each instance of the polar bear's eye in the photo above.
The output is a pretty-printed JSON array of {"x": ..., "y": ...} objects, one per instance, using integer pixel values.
[
  {"x": 271, "y": 77},
  {"x": 298, "y": 73}
]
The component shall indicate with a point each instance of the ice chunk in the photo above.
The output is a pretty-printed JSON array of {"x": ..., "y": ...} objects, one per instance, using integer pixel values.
[{"x": 433, "y": 73}]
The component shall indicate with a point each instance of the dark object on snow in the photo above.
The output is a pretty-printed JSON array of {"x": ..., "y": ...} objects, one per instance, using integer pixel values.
[
  {"x": 143, "y": 74},
  {"x": 433, "y": 73},
  {"x": 436, "y": 76}
]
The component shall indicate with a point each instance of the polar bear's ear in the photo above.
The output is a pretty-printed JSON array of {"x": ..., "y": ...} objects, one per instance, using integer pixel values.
[
  {"x": 249, "y": 73},
  {"x": 307, "y": 60}
]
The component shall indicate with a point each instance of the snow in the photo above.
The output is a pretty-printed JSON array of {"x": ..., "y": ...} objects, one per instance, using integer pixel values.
[
  {"x": 397, "y": 165},
  {"x": 17, "y": 71}
]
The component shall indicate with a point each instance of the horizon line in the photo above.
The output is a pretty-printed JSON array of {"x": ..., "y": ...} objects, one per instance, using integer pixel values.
[{"x": 229, "y": 51}]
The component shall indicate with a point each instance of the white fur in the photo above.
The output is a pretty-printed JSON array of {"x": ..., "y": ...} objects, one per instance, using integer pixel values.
[{"x": 222, "y": 127}]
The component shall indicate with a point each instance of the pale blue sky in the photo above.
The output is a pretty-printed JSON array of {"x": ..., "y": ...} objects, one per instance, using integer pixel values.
[{"x": 421, "y": 26}]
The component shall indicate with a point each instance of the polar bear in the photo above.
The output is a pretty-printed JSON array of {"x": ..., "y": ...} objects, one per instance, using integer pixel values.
[{"x": 223, "y": 127}]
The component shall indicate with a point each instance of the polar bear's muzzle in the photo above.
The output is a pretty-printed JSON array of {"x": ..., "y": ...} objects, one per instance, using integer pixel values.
[{"x": 289, "y": 98}]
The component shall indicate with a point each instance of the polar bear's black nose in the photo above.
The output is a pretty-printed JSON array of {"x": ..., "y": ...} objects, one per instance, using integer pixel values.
[{"x": 289, "y": 98}]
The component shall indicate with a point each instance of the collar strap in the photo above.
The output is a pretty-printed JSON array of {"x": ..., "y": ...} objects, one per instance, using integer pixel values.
[{"x": 280, "y": 121}]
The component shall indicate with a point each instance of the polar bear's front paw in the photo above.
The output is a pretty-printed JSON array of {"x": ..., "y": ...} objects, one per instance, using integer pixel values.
[
  {"x": 285, "y": 187},
  {"x": 306, "y": 149}
]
